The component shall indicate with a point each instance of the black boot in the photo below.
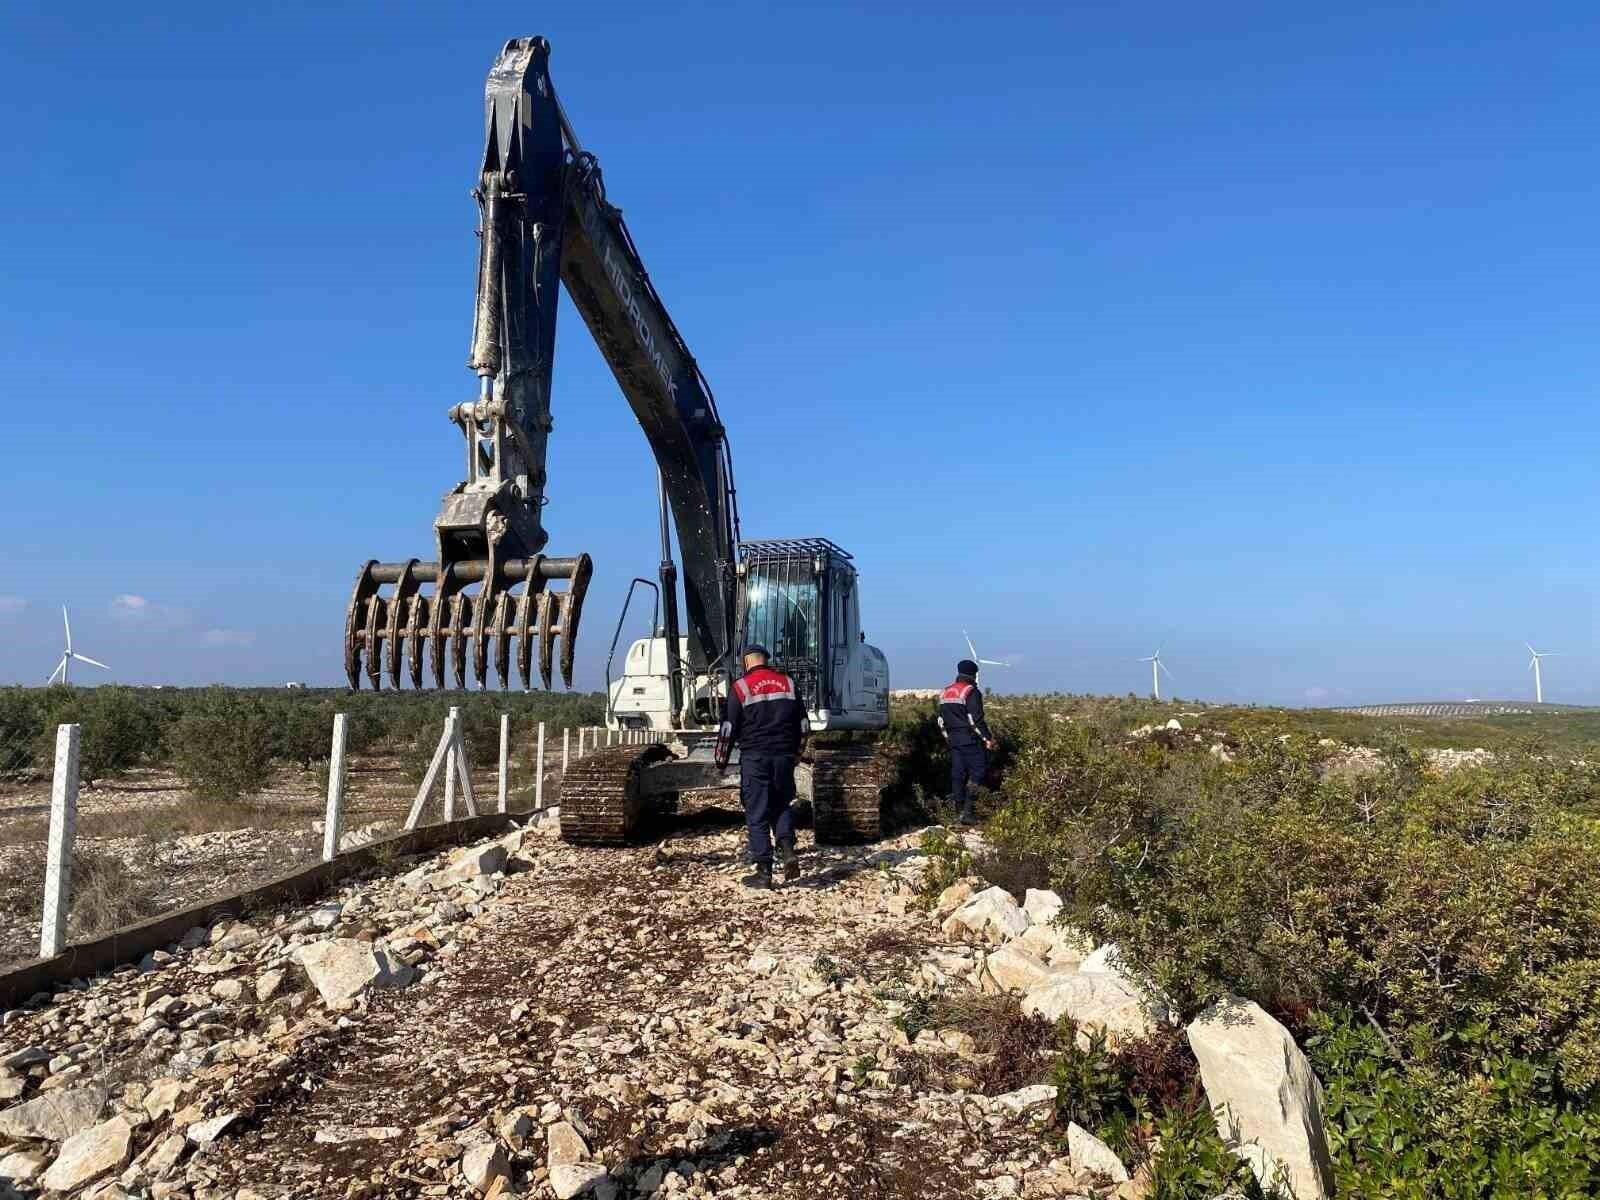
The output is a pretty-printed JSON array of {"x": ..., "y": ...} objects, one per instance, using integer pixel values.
[
  {"x": 790, "y": 860},
  {"x": 760, "y": 878},
  {"x": 968, "y": 816}
]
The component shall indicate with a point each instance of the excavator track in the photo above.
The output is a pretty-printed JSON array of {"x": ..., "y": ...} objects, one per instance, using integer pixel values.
[
  {"x": 602, "y": 802},
  {"x": 847, "y": 785}
]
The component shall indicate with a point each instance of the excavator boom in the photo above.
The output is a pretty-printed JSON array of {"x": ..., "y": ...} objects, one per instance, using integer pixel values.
[{"x": 543, "y": 219}]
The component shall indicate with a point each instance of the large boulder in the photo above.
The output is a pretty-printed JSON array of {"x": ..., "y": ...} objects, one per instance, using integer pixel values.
[
  {"x": 1096, "y": 1001},
  {"x": 54, "y": 1116},
  {"x": 96, "y": 1151},
  {"x": 484, "y": 1165},
  {"x": 1267, "y": 1099},
  {"x": 343, "y": 968},
  {"x": 1015, "y": 970},
  {"x": 991, "y": 916}
]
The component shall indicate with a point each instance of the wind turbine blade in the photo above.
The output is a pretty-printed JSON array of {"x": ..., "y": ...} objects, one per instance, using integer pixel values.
[
  {"x": 1531, "y": 650},
  {"x": 971, "y": 649},
  {"x": 60, "y": 667},
  {"x": 68, "y": 625},
  {"x": 93, "y": 662},
  {"x": 1161, "y": 666},
  {"x": 993, "y": 662}
]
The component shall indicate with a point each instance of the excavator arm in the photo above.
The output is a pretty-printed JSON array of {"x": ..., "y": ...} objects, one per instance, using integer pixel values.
[{"x": 544, "y": 217}]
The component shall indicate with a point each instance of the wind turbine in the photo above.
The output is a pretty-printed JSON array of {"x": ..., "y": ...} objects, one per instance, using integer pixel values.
[
  {"x": 982, "y": 662},
  {"x": 1538, "y": 678},
  {"x": 70, "y": 654},
  {"x": 1156, "y": 667}
]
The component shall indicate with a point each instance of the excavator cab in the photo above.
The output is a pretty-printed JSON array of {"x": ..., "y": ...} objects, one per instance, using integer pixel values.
[{"x": 797, "y": 597}]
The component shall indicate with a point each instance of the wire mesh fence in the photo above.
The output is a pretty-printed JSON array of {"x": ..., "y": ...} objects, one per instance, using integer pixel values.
[{"x": 186, "y": 795}]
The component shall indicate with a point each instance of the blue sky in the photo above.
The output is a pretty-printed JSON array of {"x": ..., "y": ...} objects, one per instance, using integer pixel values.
[{"x": 1263, "y": 334}]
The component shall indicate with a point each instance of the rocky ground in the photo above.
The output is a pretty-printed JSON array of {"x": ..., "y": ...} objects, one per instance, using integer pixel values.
[{"x": 530, "y": 1018}]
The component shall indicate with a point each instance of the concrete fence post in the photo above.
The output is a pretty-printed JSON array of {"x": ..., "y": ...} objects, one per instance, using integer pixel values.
[
  {"x": 452, "y": 764},
  {"x": 505, "y": 756},
  {"x": 333, "y": 819},
  {"x": 63, "y": 827},
  {"x": 538, "y": 786},
  {"x": 566, "y": 747}
]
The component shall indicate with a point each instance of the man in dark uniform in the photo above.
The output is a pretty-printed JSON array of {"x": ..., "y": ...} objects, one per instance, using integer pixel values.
[
  {"x": 967, "y": 733},
  {"x": 767, "y": 720}
]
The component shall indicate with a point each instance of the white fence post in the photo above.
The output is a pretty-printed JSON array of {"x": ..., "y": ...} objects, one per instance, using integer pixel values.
[
  {"x": 505, "y": 755},
  {"x": 538, "y": 785},
  {"x": 566, "y": 747},
  {"x": 333, "y": 819},
  {"x": 63, "y": 827},
  {"x": 452, "y": 765}
]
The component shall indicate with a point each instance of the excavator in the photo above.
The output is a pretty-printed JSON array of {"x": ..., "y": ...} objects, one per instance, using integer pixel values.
[{"x": 544, "y": 221}]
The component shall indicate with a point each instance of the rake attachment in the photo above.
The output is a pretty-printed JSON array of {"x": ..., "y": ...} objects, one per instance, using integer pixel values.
[{"x": 475, "y": 608}]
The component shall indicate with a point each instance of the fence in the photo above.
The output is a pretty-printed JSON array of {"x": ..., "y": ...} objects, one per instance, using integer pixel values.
[{"x": 186, "y": 846}]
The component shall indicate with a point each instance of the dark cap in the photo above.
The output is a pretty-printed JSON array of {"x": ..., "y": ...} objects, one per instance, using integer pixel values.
[
  {"x": 966, "y": 667},
  {"x": 756, "y": 649}
]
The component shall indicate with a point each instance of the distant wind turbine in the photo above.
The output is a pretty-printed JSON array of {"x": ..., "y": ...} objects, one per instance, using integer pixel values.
[
  {"x": 1156, "y": 667},
  {"x": 70, "y": 654},
  {"x": 1538, "y": 678},
  {"x": 982, "y": 662}
]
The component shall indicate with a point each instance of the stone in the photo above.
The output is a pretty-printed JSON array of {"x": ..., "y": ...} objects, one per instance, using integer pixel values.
[
  {"x": 203, "y": 1133},
  {"x": 1015, "y": 970},
  {"x": 1265, "y": 1095},
  {"x": 326, "y": 916},
  {"x": 474, "y": 862},
  {"x": 564, "y": 1145},
  {"x": 1091, "y": 1156},
  {"x": 1058, "y": 945},
  {"x": 1107, "y": 960},
  {"x": 338, "y": 1135},
  {"x": 238, "y": 937},
  {"x": 228, "y": 989},
  {"x": 11, "y": 1086},
  {"x": 992, "y": 915},
  {"x": 574, "y": 1179},
  {"x": 953, "y": 897},
  {"x": 761, "y": 964},
  {"x": 359, "y": 837},
  {"x": 1028, "y": 1099},
  {"x": 22, "y": 1166},
  {"x": 54, "y": 1117},
  {"x": 1041, "y": 906},
  {"x": 484, "y": 1165},
  {"x": 28, "y": 1056},
  {"x": 514, "y": 1126},
  {"x": 162, "y": 1098},
  {"x": 162, "y": 1156},
  {"x": 1098, "y": 1000},
  {"x": 269, "y": 984},
  {"x": 343, "y": 968},
  {"x": 86, "y": 1156}
]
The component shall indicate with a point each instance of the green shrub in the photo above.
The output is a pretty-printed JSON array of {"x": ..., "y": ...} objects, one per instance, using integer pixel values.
[
  {"x": 222, "y": 746},
  {"x": 1502, "y": 1129},
  {"x": 1194, "y": 1163}
]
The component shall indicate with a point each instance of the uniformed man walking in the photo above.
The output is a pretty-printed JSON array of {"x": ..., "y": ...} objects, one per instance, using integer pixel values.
[
  {"x": 767, "y": 720},
  {"x": 967, "y": 733}
]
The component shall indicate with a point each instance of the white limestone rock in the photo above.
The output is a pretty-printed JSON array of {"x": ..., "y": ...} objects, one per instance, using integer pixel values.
[
  {"x": 54, "y": 1116},
  {"x": 86, "y": 1156},
  {"x": 1091, "y": 1156},
  {"x": 484, "y": 1165},
  {"x": 1267, "y": 1098},
  {"x": 343, "y": 968},
  {"x": 1041, "y": 906},
  {"x": 1013, "y": 969},
  {"x": 991, "y": 916},
  {"x": 1096, "y": 1000}
]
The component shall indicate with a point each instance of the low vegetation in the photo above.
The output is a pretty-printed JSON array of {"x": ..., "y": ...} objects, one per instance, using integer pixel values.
[
  {"x": 1431, "y": 935},
  {"x": 224, "y": 743}
]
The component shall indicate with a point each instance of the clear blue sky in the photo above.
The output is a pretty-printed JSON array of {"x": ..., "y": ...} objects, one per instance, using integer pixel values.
[{"x": 1265, "y": 334}]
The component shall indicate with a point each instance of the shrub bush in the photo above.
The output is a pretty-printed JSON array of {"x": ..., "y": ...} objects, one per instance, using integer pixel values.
[{"x": 222, "y": 747}]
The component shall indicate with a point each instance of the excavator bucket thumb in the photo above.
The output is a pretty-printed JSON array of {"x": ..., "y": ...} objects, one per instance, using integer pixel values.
[{"x": 475, "y": 608}]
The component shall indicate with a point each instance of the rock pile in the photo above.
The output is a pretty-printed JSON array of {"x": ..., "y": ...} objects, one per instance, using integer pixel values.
[{"x": 525, "y": 1018}]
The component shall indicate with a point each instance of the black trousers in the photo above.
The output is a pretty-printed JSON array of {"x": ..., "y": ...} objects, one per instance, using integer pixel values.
[
  {"x": 968, "y": 767},
  {"x": 766, "y": 788}
]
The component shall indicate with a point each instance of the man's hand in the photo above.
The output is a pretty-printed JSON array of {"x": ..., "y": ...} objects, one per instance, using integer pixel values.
[{"x": 989, "y": 744}]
